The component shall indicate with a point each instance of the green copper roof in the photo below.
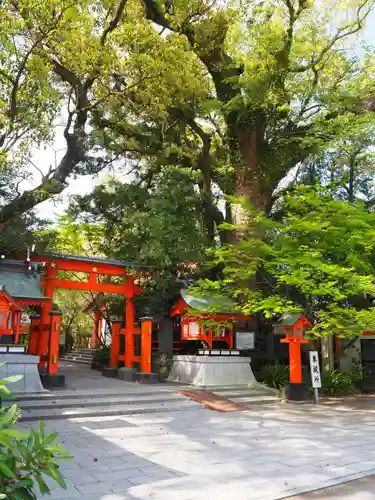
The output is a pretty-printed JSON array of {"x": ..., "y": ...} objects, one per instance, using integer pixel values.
[
  {"x": 19, "y": 281},
  {"x": 288, "y": 319},
  {"x": 205, "y": 304}
]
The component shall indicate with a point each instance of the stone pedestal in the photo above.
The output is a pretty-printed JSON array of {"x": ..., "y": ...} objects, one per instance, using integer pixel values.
[
  {"x": 109, "y": 372},
  {"x": 127, "y": 374},
  {"x": 25, "y": 365},
  {"x": 206, "y": 371},
  {"x": 52, "y": 380},
  {"x": 146, "y": 378},
  {"x": 296, "y": 392}
]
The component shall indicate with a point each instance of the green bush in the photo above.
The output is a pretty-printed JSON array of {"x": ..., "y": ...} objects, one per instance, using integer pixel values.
[
  {"x": 357, "y": 374},
  {"x": 101, "y": 357},
  {"x": 335, "y": 382},
  {"x": 26, "y": 457},
  {"x": 275, "y": 375}
]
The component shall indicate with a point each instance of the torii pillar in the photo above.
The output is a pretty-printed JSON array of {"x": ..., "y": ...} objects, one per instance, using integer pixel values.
[
  {"x": 96, "y": 332},
  {"x": 45, "y": 318}
]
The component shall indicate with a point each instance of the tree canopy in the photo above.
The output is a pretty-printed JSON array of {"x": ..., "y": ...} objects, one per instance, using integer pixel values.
[
  {"x": 224, "y": 88},
  {"x": 319, "y": 259}
]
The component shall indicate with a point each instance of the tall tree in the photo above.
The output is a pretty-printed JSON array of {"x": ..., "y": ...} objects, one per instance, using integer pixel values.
[
  {"x": 224, "y": 88},
  {"x": 282, "y": 84}
]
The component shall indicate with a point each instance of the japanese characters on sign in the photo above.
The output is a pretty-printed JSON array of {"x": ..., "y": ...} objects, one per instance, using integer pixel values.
[
  {"x": 245, "y": 340},
  {"x": 25, "y": 319},
  {"x": 315, "y": 370}
]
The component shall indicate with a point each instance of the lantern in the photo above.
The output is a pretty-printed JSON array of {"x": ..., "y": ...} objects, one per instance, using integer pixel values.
[{"x": 294, "y": 325}]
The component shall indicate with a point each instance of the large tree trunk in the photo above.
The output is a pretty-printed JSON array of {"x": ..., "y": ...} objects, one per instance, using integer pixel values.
[{"x": 245, "y": 140}]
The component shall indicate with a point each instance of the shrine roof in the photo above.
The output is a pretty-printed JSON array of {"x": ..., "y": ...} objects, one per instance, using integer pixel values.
[
  {"x": 49, "y": 256},
  {"x": 289, "y": 319},
  {"x": 4, "y": 293},
  {"x": 19, "y": 281}
]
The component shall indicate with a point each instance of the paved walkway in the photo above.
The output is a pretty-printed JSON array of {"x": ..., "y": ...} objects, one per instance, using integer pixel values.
[
  {"x": 267, "y": 453},
  {"x": 361, "y": 489}
]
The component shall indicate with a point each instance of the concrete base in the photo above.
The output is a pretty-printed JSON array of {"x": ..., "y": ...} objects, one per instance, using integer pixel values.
[
  {"x": 25, "y": 365},
  {"x": 206, "y": 371},
  {"x": 296, "y": 392},
  {"x": 52, "y": 380},
  {"x": 109, "y": 372},
  {"x": 127, "y": 374},
  {"x": 146, "y": 378}
]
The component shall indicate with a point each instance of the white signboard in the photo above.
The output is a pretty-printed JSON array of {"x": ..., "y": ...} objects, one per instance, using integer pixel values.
[
  {"x": 193, "y": 329},
  {"x": 25, "y": 319},
  {"x": 245, "y": 340},
  {"x": 316, "y": 380}
]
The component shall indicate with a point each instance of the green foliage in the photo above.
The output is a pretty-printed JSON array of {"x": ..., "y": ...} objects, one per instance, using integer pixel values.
[
  {"x": 275, "y": 375},
  {"x": 26, "y": 458},
  {"x": 346, "y": 168},
  {"x": 157, "y": 224},
  {"x": 76, "y": 239},
  {"x": 335, "y": 382},
  {"x": 319, "y": 258},
  {"x": 194, "y": 93},
  {"x": 101, "y": 357}
]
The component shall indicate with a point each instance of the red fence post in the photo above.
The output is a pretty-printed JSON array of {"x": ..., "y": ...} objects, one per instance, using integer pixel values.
[
  {"x": 115, "y": 344},
  {"x": 146, "y": 344},
  {"x": 54, "y": 342}
]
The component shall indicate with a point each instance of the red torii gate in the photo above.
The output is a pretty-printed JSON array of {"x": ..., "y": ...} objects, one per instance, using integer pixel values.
[{"x": 48, "y": 342}]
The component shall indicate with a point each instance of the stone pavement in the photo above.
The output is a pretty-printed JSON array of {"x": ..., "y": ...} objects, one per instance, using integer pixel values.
[
  {"x": 266, "y": 453},
  {"x": 360, "y": 489}
]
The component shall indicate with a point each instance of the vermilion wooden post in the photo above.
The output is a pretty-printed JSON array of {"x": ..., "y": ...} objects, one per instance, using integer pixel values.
[
  {"x": 230, "y": 342},
  {"x": 49, "y": 287},
  {"x": 115, "y": 344},
  {"x": 53, "y": 346},
  {"x": 146, "y": 344},
  {"x": 295, "y": 365},
  {"x": 100, "y": 329},
  {"x": 129, "y": 326},
  {"x": 16, "y": 326},
  {"x": 95, "y": 329},
  {"x": 33, "y": 334}
]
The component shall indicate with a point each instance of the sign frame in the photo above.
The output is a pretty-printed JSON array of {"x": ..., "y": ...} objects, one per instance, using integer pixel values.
[{"x": 248, "y": 343}]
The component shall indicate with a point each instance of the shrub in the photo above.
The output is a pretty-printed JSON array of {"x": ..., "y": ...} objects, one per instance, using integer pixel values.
[
  {"x": 101, "y": 357},
  {"x": 275, "y": 375},
  {"x": 335, "y": 382},
  {"x": 26, "y": 457}
]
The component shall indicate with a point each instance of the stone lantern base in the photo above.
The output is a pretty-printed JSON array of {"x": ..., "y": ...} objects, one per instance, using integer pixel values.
[{"x": 296, "y": 392}]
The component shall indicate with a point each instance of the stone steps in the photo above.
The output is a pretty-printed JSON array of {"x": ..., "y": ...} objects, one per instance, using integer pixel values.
[
  {"x": 83, "y": 356},
  {"x": 77, "y": 360},
  {"x": 101, "y": 404},
  {"x": 104, "y": 409},
  {"x": 93, "y": 402}
]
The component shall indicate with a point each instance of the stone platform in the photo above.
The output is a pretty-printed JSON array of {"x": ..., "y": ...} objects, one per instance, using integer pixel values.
[
  {"x": 210, "y": 371},
  {"x": 25, "y": 365}
]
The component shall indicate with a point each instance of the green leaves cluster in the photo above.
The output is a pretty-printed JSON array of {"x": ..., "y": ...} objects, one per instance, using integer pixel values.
[
  {"x": 157, "y": 224},
  {"x": 319, "y": 258},
  {"x": 26, "y": 458}
]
